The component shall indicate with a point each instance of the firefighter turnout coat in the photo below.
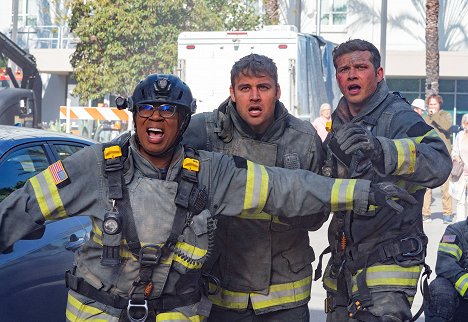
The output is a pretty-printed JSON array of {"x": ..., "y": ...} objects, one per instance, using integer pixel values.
[
  {"x": 262, "y": 258},
  {"x": 234, "y": 186},
  {"x": 452, "y": 257},
  {"x": 382, "y": 250}
]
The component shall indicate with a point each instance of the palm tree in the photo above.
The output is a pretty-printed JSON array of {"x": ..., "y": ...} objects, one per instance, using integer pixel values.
[
  {"x": 272, "y": 11},
  {"x": 432, "y": 47}
]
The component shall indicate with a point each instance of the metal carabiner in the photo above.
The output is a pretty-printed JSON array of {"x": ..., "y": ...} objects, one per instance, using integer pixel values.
[{"x": 133, "y": 306}]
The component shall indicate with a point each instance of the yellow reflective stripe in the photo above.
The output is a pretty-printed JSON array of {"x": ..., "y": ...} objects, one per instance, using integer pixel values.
[
  {"x": 177, "y": 317},
  {"x": 330, "y": 283},
  {"x": 192, "y": 252},
  {"x": 256, "y": 189},
  {"x": 278, "y": 294},
  {"x": 406, "y": 156},
  {"x": 342, "y": 194},
  {"x": 451, "y": 249},
  {"x": 282, "y": 293},
  {"x": 47, "y": 196},
  {"x": 229, "y": 299},
  {"x": 389, "y": 275},
  {"x": 462, "y": 284},
  {"x": 261, "y": 216},
  {"x": 83, "y": 308}
]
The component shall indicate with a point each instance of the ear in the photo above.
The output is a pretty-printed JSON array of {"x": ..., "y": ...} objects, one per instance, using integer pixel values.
[
  {"x": 233, "y": 95},
  {"x": 278, "y": 91},
  {"x": 380, "y": 74}
]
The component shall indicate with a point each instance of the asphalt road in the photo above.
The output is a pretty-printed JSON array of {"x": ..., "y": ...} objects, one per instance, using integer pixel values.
[{"x": 433, "y": 230}]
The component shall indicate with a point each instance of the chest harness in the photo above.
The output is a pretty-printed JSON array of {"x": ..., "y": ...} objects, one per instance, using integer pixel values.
[
  {"x": 408, "y": 245},
  {"x": 119, "y": 223}
]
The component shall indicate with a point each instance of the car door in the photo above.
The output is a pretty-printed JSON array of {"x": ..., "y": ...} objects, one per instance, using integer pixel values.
[{"x": 32, "y": 271}]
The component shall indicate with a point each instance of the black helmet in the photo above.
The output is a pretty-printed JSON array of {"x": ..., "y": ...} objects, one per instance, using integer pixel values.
[
  {"x": 160, "y": 88},
  {"x": 164, "y": 89}
]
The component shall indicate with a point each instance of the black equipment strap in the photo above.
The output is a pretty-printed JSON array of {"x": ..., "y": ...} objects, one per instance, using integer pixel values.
[
  {"x": 165, "y": 303},
  {"x": 318, "y": 270}
]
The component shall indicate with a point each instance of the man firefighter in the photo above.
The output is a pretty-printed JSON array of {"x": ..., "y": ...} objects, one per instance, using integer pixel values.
[
  {"x": 153, "y": 206},
  {"x": 264, "y": 261},
  {"x": 448, "y": 300},
  {"x": 377, "y": 257}
]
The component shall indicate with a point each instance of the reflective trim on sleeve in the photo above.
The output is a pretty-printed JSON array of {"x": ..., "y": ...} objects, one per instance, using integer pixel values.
[
  {"x": 256, "y": 189},
  {"x": 342, "y": 194},
  {"x": 390, "y": 275},
  {"x": 451, "y": 249},
  {"x": 406, "y": 156},
  {"x": 462, "y": 284},
  {"x": 177, "y": 317},
  {"x": 282, "y": 294},
  {"x": 278, "y": 294},
  {"x": 47, "y": 196}
]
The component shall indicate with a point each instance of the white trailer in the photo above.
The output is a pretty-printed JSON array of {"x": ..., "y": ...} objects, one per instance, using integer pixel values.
[{"x": 305, "y": 70}]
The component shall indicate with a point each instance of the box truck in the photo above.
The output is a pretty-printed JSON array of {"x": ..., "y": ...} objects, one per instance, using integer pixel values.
[{"x": 305, "y": 68}]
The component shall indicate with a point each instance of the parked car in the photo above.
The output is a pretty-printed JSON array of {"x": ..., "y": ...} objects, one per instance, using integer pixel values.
[{"x": 32, "y": 271}]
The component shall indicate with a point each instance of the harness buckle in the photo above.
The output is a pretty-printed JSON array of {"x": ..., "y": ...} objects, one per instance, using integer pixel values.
[
  {"x": 329, "y": 304},
  {"x": 131, "y": 306},
  {"x": 418, "y": 242},
  {"x": 150, "y": 255}
]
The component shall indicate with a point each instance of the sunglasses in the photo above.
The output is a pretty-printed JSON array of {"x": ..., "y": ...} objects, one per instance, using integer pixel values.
[{"x": 165, "y": 110}]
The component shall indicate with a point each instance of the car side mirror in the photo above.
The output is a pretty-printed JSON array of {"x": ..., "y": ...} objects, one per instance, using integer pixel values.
[{"x": 35, "y": 234}]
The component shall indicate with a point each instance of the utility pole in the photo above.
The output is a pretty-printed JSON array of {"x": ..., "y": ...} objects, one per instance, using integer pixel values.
[
  {"x": 383, "y": 33},
  {"x": 14, "y": 30},
  {"x": 318, "y": 10}
]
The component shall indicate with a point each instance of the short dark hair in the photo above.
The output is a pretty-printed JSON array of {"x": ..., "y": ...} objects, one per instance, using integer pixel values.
[
  {"x": 254, "y": 65},
  {"x": 437, "y": 97},
  {"x": 357, "y": 45}
]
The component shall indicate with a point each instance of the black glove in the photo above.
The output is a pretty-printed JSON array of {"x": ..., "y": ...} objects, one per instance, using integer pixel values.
[
  {"x": 352, "y": 138},
  {"x": 381, "y": 195}
]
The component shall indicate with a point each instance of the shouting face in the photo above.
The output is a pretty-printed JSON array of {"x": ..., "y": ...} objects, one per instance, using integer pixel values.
[
  {"x": 255, "y": 98},
  {"x": 357, "y": 78},
  {"x": 157, "y": 134}
]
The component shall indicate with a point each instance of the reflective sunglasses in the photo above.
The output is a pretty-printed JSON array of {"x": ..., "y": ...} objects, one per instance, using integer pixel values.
[{"x": 165, "y": 110}]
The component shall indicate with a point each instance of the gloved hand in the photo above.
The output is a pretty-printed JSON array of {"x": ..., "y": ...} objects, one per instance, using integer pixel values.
[
  {"x": 352, "y": 138},
  {"x": 381, "y": 195}
]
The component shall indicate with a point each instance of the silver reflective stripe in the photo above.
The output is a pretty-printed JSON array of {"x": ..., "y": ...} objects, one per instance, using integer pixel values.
[
  {"x": 462, "y": 284},
  {"x": 282, "y": 294}
]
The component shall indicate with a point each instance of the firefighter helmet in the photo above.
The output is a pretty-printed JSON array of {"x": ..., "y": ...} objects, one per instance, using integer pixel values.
[{"x": 164, "y": 89}]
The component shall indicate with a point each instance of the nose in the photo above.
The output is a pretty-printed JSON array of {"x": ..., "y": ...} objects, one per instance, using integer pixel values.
[
  {"x": 352, "y": 74},
  {"x": 254, "y": 94}
]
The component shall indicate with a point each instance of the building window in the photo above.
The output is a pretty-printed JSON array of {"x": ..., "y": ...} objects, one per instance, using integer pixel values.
[
  {"x": 333, "y": 12},
  {"x": 453, "y": 91}
]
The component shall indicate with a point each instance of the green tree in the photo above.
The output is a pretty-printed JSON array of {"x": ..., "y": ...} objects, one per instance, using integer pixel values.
[{"x": 122, "y": 41}]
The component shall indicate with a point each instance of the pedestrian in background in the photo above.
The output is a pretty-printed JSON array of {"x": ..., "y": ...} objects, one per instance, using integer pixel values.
[
  {"x": 458, "y": 184},
  {"x": 419, "y": 106},
  {"x": 320, "y": 123},
  {"x": 441, "y": 121}
]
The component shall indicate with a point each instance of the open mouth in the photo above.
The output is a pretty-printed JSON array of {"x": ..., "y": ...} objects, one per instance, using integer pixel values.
[
  {"x": 354, "y": 89},
  {"x": 255, "y": 110},
  {"x": 155, "y": 133}
]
